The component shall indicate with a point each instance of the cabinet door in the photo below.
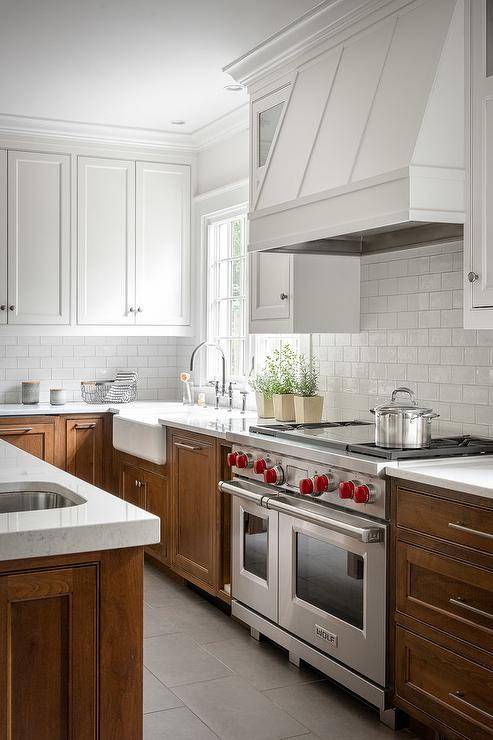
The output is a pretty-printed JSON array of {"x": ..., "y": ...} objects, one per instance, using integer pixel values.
[
  {"x": 106, "y": 241},
  {"x": 38, "y": 238},
  {"x": 156, "y": 502},
  {"x": 85, "y": 449},
  {"x": 3, "y": 236},
  {"x": 37, "y": 438},
  {"x": 132, "y": 488},
  {"x": 270, "y": 286},
  {"x": 266, "y": 117},
  {"x": 48, "y": 654},
  {"x": 163, "y": 244},
  {"x": 481, "y": 216},
  {"x": 193, "y": 503}
]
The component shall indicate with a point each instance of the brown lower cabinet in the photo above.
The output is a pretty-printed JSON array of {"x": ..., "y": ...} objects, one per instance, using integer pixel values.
[
  {"x": 84, "y": 440},
  {"x": 442, "y": 613},
  {"x": 71, "y": 637},
  {"x": 195, "y": 517},
  {"x": 35, "y": 435}
]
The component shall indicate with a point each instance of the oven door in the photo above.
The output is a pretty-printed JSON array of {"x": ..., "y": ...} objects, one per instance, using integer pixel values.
[
  {"x": 254, "y": 546},
  {"x": 332, "y": 590}
]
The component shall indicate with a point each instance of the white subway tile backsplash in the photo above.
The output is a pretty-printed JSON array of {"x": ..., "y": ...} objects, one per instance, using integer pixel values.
[
  {"x": 65, "y": 361},
  {"x": 411, "y": 318}
]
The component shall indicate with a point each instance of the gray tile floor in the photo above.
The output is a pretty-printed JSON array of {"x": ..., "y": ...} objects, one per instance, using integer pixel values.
[{"x": 206, "y": 678}]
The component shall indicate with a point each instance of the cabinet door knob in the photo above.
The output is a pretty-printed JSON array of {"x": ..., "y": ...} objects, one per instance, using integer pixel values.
[
  {"x": 139, "y": 309},
  {"x": 283, "y": 296},
  {"x": 131, "y": 309},
  {"x": 3, "y": 307},
  {"x": 12, "y": 308},
  {"x": 472, "y": 276}
]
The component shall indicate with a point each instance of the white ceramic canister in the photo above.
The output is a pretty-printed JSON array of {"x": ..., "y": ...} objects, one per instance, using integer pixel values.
[{"x": 58, "y": 396}]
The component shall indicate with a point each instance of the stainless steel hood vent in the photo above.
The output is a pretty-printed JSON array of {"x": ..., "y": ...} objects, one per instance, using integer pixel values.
[{"x": 369, "y": 149}]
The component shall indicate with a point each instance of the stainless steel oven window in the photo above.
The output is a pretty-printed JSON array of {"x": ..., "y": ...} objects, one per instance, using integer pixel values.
[
  {"x": 255, "y": 545},
  {"x": 330, "y": 578}
]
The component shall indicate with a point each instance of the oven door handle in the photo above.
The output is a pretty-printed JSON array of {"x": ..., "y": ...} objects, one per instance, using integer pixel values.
[
  {"x": 242, "y": 492},
  {"x": 363, "y": 534}
]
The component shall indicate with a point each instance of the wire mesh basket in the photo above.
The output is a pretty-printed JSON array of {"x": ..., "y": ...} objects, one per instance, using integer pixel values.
[
  {"x": 123, "y": 389},
  {"x": 95, "y": 391}
]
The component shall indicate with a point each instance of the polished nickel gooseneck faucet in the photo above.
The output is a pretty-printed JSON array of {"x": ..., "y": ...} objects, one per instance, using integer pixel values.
[{"x": 223, "y": 367}]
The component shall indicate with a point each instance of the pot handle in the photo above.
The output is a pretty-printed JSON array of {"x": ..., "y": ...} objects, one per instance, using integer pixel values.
[
  {"x": 430, "y": 415},
  {"x": 403, "y": 389}
]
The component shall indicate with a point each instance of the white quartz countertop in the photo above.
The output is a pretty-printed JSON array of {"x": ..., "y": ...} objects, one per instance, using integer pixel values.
[
  {"x": 472, "y": 475},
  {"x": 103, "y": 522},
  {"x": 468, "y": 474}
]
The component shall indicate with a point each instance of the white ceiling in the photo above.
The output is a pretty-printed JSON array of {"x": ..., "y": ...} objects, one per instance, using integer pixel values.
[{"x": 132, "y": 63}]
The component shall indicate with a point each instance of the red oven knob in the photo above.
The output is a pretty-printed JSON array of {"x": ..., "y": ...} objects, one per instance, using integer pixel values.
[
  {"x": 347, "y": 487},
  {"x": 260, "y": 466},
  {"x": 243, "y": 460},
  {"x": 306, "y": 486},
  {"x": 231, "y": 459},
  {"x": 320, "y": 484},
  {"x": 274, "y": 475},
  {"x": 364, "y": 494}
]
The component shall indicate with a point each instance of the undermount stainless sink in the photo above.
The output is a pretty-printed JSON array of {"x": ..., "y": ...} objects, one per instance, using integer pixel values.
[{"x": 34, "y": 496}]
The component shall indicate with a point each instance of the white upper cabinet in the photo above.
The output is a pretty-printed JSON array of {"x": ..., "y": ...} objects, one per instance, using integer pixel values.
[
  {"x": 265, "y": 121},
  {"x": 300, "y": 293},
  {"x": 38, "y": 238},
  {"x": 478, "y": 236},
  {"x": 3, "y": 237},
  {"x": 270, "y": 287},
  {"x": 163, "y": 244},
  {"x": 106, "y": 241}
]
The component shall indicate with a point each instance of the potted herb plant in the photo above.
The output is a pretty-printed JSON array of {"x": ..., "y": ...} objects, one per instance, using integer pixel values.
[
  {"x": 282, "y": 368},
  {"x": 308, "y": 404},
  {"x": 262, "y": 385}
]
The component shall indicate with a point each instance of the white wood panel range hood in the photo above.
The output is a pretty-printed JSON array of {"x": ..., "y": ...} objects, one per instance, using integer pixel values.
[{"x": 357, "y": 128}]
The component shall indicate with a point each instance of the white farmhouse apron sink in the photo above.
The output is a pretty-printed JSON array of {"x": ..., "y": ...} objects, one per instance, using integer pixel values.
[{"x": 142, "y": 437}]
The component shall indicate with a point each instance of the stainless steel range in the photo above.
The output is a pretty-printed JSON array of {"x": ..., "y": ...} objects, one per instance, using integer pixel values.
[{"x": 309, "y": 545}]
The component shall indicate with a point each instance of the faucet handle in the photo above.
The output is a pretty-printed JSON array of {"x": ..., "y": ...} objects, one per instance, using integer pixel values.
[{"x": 244, "y": 395}]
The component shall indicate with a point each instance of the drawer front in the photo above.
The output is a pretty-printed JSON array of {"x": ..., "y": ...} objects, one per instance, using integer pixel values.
[
  {"x": 456, "y": 691},
  {"x": 445, "y": 593},
  {"x": 462, "y": 524}
]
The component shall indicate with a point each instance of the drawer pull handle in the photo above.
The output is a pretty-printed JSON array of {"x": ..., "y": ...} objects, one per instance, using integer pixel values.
[
  {"x": 459, "y": 696},
  {"x": 85, "y": 426},
  {"x": 460, "y": 601},
  {"x": 15, "y": 430},
  {"x": 462, "y": 528},
  {"x": 193, "y": 448}
]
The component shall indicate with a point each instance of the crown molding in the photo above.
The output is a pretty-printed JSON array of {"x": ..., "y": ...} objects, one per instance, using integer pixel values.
[
  {"x": 307, "y": 32},
  {"x": 92, "y": 133},
  {"x": 222, "y": 128}
]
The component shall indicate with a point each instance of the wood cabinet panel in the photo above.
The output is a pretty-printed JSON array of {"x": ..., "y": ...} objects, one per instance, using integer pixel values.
[
  {"x": 31, "y": 435},
  {"x": 193, "y": 506},
  {"x": 447, "y": 594},
  {"x": 48, "y": 650},
  {"x": 85, "y": 448},
  {"x": 156, "y": 501},
  {"x": 463, "y": 524},
  {"x": 132, "y": 485},
  {"x": 444, "y": 685}
]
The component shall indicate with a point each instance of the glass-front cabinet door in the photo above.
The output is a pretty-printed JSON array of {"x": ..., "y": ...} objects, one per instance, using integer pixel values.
[
  {"x": 267, "y": 114},
  {"x": 332, "y": 593},
  {"x": 254, "y": 557}
]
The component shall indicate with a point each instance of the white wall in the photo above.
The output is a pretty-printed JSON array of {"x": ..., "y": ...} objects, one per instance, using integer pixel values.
[{"x": 223, "y": 163}]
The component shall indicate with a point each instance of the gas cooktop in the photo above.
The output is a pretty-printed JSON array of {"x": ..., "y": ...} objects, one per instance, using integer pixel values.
[{"x": 357, "y": 437}]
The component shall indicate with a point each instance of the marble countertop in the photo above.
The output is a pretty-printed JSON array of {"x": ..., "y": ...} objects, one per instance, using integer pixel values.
[
  {"x": 103, "y": 522},
  {"x": 472, "y": 475}
]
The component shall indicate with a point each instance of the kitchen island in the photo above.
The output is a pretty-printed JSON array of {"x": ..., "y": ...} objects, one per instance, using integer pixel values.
[{"x": 71, "y": 594}]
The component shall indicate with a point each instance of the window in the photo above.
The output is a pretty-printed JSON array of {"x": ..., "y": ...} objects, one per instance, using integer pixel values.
[
  {"x": 226, "y": 290},
  {"x": 227, "y": 304}
]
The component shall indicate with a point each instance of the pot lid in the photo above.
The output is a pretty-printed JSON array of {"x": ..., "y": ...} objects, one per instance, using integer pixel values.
[{"x": 403, "y": 405}]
